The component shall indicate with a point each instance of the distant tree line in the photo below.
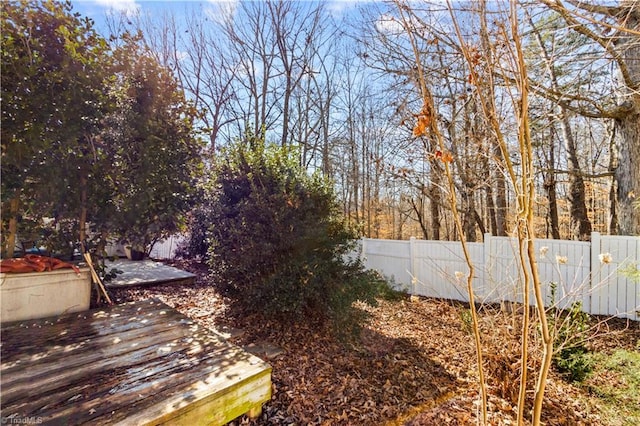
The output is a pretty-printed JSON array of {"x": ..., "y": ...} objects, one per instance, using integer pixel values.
[
  {"x": 341, "y": 87},
  {"x": 94, "y": 125}
]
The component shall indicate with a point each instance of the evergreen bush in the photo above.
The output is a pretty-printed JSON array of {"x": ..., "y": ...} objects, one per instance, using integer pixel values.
[
  {"x": 571, "y": 357},
  {"x": 279, "y": 242}
]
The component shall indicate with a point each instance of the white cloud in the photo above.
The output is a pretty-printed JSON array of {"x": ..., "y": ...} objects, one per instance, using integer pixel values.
[
  {"x": 128, "y": 7},
  {"x": 181, "y": 55},
  {"x": 389, "y": 24},
  {"x": 222, "y": 10},
  {"x": 338, "y": 7}
]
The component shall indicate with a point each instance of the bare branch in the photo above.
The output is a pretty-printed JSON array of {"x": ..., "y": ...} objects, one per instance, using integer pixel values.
[{"x": 607, "y": 43}]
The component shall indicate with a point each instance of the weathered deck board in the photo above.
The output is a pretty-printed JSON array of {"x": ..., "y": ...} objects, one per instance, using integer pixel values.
[{"x": 138, "y": 363}]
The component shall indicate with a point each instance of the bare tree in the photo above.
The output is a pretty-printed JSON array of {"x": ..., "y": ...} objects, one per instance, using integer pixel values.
[
  {"x": 202, "y": 61},
  {"x": 286, "y": 69},
  {"x": 614, "y": 30},
  {"x": 481, "y": 185},
  {"x": 294, "y": 30},
  {"x": 580, "y": 224}
]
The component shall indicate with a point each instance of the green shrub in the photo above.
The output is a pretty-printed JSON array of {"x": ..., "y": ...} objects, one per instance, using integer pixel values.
[
  {"x": 571, "y": 358},
  {"x": 574, "y": 363},
  {"x": 279, "y": 243}
]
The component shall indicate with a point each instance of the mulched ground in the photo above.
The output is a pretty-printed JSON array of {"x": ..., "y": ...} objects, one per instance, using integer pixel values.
[{"x": 414, "y": 363}]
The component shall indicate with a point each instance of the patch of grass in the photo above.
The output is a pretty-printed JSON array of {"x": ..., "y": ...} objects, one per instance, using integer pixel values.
[{"x": 615, "y": 382}]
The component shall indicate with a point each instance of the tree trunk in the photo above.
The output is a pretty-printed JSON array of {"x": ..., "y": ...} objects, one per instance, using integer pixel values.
[
  {"x": 418, "y": 210},
  {"x": 285, "y": 113},
  {"x": 580, "y": 224},
  {"x": 14, "y": 205},
  {"x": 355, "y": 176},
  {"x": 479, "y": 222},
  {"x": 469, "y": 218},
  {"x": 627, "y": 173},
  {"x": 326, "y": 161},
  {"x": 627, "y": 132},
  {"x": 613, "y": 198},
  {"x": 550, "y": 187},
  {"x": 435, "y": 198},
  {"x": 501, "y": 196},
  {"x": 366, "y": 182},
  {"x": 491, "y": 210},
  {"x": 627, "y": 128}
]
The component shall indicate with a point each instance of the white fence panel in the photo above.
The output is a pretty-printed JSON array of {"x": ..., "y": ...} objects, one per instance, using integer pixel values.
[
  {"x": 166, "y": 249},
  {"x": 440, "y": 269},
  {"x": 612, "y": 292},
  {"x": 391, "y": 258},
  {"x": 478, "y": 256},
  {"x": 163, "y": 249},
  {"x": 566, "y": 265},
  {"x": 503, "y": 279},
  {"x": 573, "y": 268},
  {"x": 434, "y": 269},
  {"x": 561, "y": 264}
]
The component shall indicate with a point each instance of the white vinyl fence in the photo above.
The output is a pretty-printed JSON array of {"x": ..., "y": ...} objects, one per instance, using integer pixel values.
[
  {"x": 166, "y": 249},
  {"x": 580, "y": 271},
  {"x": 163, "y": 249}
]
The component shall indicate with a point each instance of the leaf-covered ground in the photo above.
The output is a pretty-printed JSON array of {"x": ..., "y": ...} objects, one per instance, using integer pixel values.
[{"x": 414, "y": 363}]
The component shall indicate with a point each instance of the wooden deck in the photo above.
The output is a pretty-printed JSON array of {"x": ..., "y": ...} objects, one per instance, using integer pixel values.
[{"x": 139, "y": 363}]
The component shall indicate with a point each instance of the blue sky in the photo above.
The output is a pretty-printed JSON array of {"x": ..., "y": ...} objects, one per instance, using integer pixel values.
[{"x": 99, "y": 9}]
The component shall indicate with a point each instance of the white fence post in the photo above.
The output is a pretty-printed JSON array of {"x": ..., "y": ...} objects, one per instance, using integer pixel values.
[
  {"x": 412, "y": 264},
  {"x": 595, "y": 275},
  {"x": 488, "y": 273},
  {"x": 363, "y": 253}
]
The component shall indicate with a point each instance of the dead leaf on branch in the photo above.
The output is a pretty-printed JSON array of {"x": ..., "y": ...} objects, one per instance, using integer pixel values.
[
  {"x": 421, "y": 127},
  {"x": 424, "y": 121},
  {"x": 445, "y": 157}
]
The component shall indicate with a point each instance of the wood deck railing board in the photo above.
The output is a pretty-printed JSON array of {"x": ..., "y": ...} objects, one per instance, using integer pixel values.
[{"x": 141, "y": 363}]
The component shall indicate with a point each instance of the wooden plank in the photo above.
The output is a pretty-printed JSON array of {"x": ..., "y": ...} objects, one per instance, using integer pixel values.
[
  {"x": 120, "y": 380},
  {"x": 158, "y": 345},
  {"x": 55, "y": 375},
  {"x": 140, "y": 360},
  {"x": 126, "y": 394},
  {"x": 61, "y": 338},
  {"x": 91, "y": 348},
  {"x": 52, "y": 329},
  {"x": 246, "y": 397}
]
